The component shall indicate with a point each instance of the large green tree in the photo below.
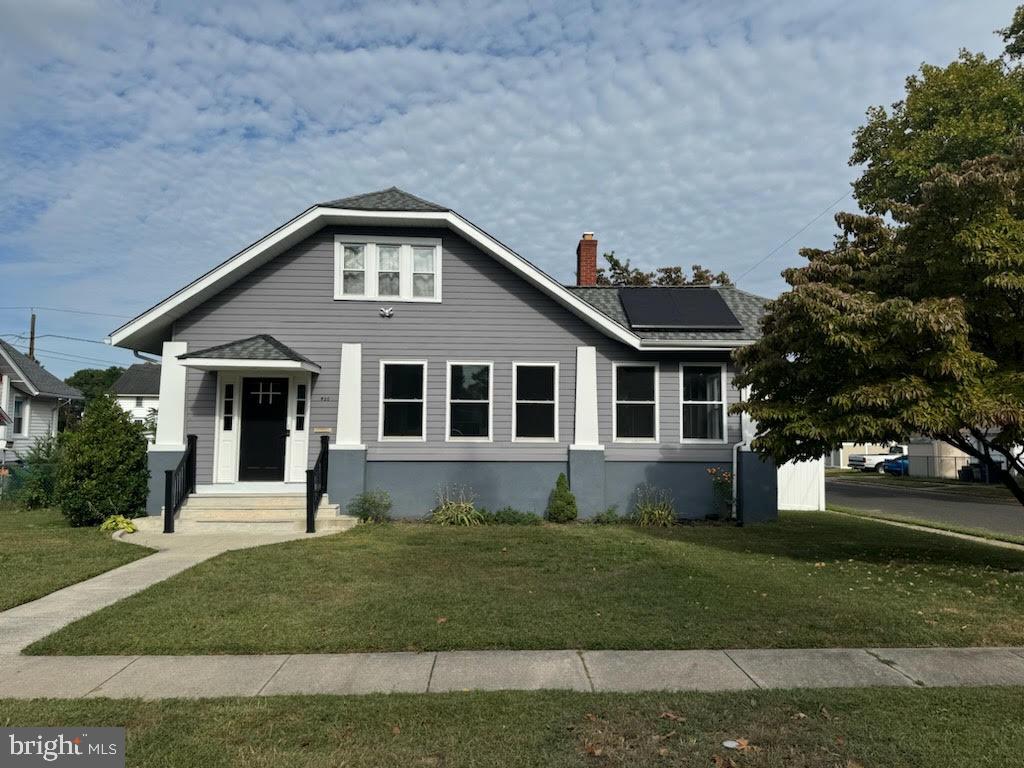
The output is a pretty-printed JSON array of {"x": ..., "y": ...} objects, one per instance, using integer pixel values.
[
  {"x": 913, "y": 322},
  {"x": 620, "y": 272}
]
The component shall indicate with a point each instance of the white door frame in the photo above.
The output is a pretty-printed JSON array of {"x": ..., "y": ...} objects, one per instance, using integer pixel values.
[{"x": 226, "y": 444}]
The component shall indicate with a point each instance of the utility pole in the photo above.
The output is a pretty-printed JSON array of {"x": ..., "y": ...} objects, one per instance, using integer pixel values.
[{"x": 32, "y": 337}]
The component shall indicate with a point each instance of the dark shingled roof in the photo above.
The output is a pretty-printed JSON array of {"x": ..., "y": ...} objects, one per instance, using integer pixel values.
[
  {"x": 38, "y": 377},
  {"x": 139, "y": 379},
  {"x": 390, "y": 199},
  {"x": 262, "y": 347},
  {"x": 747, "y": 307}
]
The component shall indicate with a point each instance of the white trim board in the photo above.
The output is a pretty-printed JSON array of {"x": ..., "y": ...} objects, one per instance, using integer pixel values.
[
  {"x": 146, "y": 331},
  {"x": 223, "y": 364}
]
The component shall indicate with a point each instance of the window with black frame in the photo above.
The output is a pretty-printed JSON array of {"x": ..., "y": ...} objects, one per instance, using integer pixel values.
[
  {"x": 536, "y": 406},
  {"x": 636, "y": 403},
  {"x": 469, "y": 401},
  {"x": 402, "y": 401}
]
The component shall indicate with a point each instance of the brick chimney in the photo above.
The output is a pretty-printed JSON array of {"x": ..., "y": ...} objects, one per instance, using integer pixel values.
[{"x": 586, "y": 260}]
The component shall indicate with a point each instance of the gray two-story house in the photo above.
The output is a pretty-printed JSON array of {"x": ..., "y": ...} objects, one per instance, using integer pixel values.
[{"x": 418, "y": 351}]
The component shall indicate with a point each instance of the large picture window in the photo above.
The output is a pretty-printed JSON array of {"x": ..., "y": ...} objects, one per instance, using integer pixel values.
[
  {"x": 703, "y": 403},
  {"x": 469, "y": 401},
  {"x": 402, "y": 400},
  {"x": 394, "y": 269},
  {"x": 536, "y": 401},
  {"x": 636, "y": 403}
]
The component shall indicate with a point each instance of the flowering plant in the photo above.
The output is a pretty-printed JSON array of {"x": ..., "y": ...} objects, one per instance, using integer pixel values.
[{"x": 721, "y": 485}]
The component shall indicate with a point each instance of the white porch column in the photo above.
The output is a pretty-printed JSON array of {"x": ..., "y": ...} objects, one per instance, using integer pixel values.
[
  {"x": 585, "y": 434},
  {"x": 350, "y": 397},
  {"x": 170, "y": 418}
]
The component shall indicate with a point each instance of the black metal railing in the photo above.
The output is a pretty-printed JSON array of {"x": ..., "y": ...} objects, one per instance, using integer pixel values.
[
  {"x": 179, "y": 483},
  {"x": 316, "y": 485}
]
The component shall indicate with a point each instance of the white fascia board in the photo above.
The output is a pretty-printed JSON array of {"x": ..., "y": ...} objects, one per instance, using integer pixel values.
[
  {"x": 316, "y": 217},
  {"x": 226, "y": 364},
  {"x": 22, "y": 379}
]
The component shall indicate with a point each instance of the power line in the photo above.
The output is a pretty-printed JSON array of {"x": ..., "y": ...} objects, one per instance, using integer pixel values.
[
  {"x": 71, "y": 311},
  {"x": 800, "y": 231}
]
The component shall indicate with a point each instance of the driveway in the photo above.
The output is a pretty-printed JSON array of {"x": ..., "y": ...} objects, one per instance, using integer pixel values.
[{"x": 955, "y": 508}]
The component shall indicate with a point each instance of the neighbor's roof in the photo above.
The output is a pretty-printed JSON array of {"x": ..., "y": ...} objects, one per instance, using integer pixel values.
[
  {"x": 261, "y": 347},
  {"x": 747, "y": 308},
  {"x": 390, "y": 199},
  {"x": 34, "y": 377},
  {"x": 139, "y": 379}
]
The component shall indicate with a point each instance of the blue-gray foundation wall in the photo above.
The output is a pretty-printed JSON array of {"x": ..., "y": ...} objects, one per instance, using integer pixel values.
[
  {"x": 597, "y": 483},
  {"x": 159, "y": 463}
]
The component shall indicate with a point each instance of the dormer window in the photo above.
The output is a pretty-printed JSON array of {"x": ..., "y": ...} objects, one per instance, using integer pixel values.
[{"x": 387, "y": 268}]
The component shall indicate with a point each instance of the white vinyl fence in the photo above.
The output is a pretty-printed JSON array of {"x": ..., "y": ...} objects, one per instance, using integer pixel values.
[{"x": 802, "y": 485}]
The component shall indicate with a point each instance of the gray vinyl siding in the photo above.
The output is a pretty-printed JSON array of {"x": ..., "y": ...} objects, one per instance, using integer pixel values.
[{"x": 487, "y": 313}]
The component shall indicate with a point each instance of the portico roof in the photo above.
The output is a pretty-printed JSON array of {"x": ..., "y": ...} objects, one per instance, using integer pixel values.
[{"x": 255, "y": 352}]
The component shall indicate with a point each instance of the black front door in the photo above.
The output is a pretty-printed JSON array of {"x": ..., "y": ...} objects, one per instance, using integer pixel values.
[{"x": 264, "y": 419}]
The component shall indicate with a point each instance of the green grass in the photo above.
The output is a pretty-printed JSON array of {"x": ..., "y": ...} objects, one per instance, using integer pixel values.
[
  {"x": 811, "y": 580},
  {"x": 40, "y": 553},
  {"x": 981, "y": 534},
  {"x": 852, "y": 728}
]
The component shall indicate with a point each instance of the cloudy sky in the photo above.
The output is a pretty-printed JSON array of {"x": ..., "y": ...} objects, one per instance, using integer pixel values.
[{"x": 142, "y": 142}]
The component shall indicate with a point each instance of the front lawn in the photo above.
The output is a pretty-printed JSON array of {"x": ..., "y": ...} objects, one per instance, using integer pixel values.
[
  {"x": 40, "y": 553},
  {"x": 853, "y": 728},
  {"x": 811, "y": 580}
]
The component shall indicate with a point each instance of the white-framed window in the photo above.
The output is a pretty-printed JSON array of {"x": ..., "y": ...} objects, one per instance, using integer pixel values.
[
  {"x": 138, "y": 402},
  {"x": 19, "y": 416},
  {"x": 470, "y": 390},
  {"x": 387, "y": 268},
  {"x": 300, "y": 407},
  {"x": 403, "y": 400},
  {"x": 635, "y": 395},
  {"x": 535, "y": 406},
  {"x": 229, "y": 406},
  {"x": 703, "y": 413}
]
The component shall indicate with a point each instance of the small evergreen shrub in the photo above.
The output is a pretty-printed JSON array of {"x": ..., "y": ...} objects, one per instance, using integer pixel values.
[
  {"x": 118, "y": 523},
  {"x": 512, "y": 516},
  {"x": 371, "y": 507},
  {"x": 455, "y": 507},
  {"x": 654, "y": 507},
  {"x": 103, "y": 469},
  {"x": 36, "y": 482},
  {"x": 609, "y": 517},
  {"x": 562, "y": 504}
]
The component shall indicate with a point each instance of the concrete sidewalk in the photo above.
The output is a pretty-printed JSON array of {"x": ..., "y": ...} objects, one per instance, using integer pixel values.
[
  {"x": 155, "y": 677},
  {"x": 24, "y": 624}
]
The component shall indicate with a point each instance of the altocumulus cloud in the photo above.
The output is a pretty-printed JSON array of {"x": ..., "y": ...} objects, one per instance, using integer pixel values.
[{"x": 144, "y": 142}]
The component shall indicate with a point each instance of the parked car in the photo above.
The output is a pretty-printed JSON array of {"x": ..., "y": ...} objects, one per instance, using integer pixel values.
[
  {"x": 874, "y": 462},
  {"x": 898, "y": 466}
]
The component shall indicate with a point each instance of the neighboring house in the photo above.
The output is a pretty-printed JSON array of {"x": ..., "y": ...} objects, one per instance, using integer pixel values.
[
  {"x": 138, "y": 391},
  {"x": 839, "y": 458},
  {"x": 31, "y": 396},
  {"x": 428, "y": 353}
]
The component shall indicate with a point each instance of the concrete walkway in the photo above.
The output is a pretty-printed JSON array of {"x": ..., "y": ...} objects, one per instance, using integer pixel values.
[
  {"x": 24, "y": 624},
  {"x": 155, "y": 677}
]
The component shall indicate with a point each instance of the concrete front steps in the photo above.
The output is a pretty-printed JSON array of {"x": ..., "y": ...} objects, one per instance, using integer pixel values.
[{"x": 258, "y": 512}]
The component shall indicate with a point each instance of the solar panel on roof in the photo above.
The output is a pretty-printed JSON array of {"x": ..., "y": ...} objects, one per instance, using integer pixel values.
[{"x": 677, "y": 309}]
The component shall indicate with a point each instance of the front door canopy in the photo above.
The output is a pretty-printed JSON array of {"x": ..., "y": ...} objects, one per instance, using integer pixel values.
[{"x": 262, "y": 352}]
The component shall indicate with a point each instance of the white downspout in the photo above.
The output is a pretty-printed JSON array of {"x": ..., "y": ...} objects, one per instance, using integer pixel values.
[{"x": 743, "y": 443}]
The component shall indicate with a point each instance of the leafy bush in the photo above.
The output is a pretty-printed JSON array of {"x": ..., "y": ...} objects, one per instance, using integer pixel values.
[
  {"x": 118, "y": 523},
  {"x": 512, "y": 516},
  {"x": 455, "y": 507},
  {"x": 371, "y": 507},
  {"x": 721, "y": 486},
  {"x": 562, "y": 504},
  {"x": 609, "y": 517},
  {"x": 35, "y": 481},
  {"x": 654, "y": 507},
  {"x": 103, "y": 469}
]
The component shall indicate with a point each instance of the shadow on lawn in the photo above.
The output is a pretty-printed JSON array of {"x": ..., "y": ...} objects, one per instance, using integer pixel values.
[{"x": 825, "y": 537}]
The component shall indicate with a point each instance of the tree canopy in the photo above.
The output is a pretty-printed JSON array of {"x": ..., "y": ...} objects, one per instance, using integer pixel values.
[
  {"x": 913, "y": 322},
  {"x": 621, "y": 273}
]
